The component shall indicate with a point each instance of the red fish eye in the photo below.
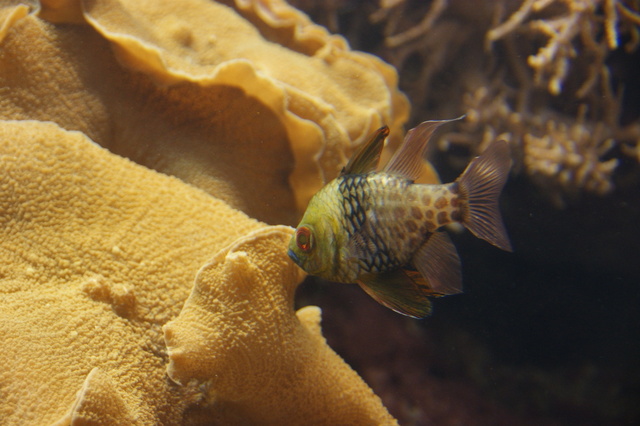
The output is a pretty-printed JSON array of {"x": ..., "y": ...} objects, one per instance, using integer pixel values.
[{"x": 303, "y": 238}]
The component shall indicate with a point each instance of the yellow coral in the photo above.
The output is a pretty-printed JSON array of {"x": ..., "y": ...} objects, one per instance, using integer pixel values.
[
  {"x": 255, "y": 105},
  {"x": 98, "y": 254},
  {"x": 202, "y": 91},
  {"x": 224, "y": 338}
]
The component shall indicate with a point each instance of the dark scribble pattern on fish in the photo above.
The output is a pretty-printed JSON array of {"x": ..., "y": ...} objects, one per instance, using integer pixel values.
[{"x": 381, "y": 230}]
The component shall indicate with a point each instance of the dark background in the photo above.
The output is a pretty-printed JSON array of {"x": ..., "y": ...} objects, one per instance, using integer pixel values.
[{"x": 547, "y": 335}]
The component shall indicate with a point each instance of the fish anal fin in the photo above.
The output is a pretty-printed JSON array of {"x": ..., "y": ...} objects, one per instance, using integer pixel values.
[
  {"x": 397, "y": 291},
  {"x": 438, "y": 262},
  {"x": 407, "y": 160},
  {"x": 366, "y": 158}
]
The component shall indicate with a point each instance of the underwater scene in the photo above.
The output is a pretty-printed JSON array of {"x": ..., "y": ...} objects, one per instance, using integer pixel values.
[{"x": 344, "y": 212}]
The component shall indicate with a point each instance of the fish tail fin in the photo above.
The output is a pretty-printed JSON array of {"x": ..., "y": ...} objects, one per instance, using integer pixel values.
[{"x": 480, "y": 186}]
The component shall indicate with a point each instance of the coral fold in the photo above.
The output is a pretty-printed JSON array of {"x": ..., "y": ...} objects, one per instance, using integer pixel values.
[
  {"x": 239, "y": 336},
  {"x": 254, "y": 104},
  {"x": 99, "y": 253}
]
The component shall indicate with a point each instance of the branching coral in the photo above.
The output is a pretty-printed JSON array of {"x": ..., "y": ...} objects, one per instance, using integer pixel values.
[
  {"x": 571, "y": 29},
  {"x": 570, "y": 156},
  {"x": 420, "y": 50},
  {"x": 562, "y": 154},
  {"x": 535, "y": 68}
]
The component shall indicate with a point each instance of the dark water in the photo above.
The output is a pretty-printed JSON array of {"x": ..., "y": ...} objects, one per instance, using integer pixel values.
[{"x": 547, "y": 335}]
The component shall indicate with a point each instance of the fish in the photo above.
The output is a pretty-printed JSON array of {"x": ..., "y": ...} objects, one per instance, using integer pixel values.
[{"x": 383, "y": 231}]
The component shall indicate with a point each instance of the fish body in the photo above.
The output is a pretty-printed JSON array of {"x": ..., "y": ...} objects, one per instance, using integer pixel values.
[
  {"x": 381, "y": 230},
  {"x": 380, "y": 221}
]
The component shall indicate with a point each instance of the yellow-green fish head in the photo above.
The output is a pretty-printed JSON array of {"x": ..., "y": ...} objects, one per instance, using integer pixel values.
[{"x": 313, "y": 245}]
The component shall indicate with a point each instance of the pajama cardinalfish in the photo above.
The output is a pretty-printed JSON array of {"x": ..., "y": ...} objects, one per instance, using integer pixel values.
[{"x": 381, "y": 230}]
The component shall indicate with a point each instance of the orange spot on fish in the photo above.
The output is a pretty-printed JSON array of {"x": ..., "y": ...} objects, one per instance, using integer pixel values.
[
  {"x": 441, "y": 203},
  {"x": 443, "y": 218},
  {"x": 399, "y": 212},
  {"x": 416, "y": 213}
]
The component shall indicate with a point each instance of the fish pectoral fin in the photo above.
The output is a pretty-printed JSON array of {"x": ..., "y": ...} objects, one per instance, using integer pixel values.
[
  {"x": 366, "y": 159},
  {"x": 397, "y": 291},
  {"x": 438, "y": 262},
  {"x": 359, "y": 245}
]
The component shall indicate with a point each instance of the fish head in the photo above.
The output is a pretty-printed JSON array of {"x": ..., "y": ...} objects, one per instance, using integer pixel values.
[{"x": 312, "y": 246}]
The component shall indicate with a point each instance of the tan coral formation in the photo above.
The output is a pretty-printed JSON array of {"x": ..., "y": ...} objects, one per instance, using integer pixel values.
[
  {"x": 201, "y": 90},
  {"x": 221, "y": 343},
  {"x": 98, "y": 254},
  {"x": 570, "y": 156},
  {"x": 566, "y": 25},
  {"x": 250, "y": 102},
  {"x": 544, "y": 69},
  {"x": 81, "y": 229},
  {"x": 565, "y": 149},
  {"x": 563, "y": 155}
]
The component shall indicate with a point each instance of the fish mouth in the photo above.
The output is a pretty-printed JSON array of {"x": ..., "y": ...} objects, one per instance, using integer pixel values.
[{"x": 294, "y": 257}]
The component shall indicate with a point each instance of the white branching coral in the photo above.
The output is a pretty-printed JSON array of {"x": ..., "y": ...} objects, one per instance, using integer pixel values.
[
  {"x": 569, "y": 28},
  {"x": 541, "y": 80},
  {"x": 570, "y": 156},
  {"x": 537, "y": 73},
  {"x": 564, "y": 155}
]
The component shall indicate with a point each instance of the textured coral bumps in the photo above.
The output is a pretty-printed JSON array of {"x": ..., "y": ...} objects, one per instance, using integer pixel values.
[
  {"x": 257, "y": 362},
  {"x": 100, "y": 252},
  {"x": 255, "y": 104},
  {"x": 97, "y": 254}
]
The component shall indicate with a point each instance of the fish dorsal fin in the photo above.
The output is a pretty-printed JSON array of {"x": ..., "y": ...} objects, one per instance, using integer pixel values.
[
  {"x": 398, "y": 291},
  {"x": 366, "y": 158},
  {"x": 407, "y": 160},
  {"x": 438, "y": 262}
]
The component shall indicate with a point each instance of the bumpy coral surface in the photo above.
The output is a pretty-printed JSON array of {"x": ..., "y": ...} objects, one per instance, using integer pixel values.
[
  {"x": 249, "y": 108},
  {"x": 248, "y": 101},
  {"x": 100, "y": 253},
  {"x": 224, "y": 338}
]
